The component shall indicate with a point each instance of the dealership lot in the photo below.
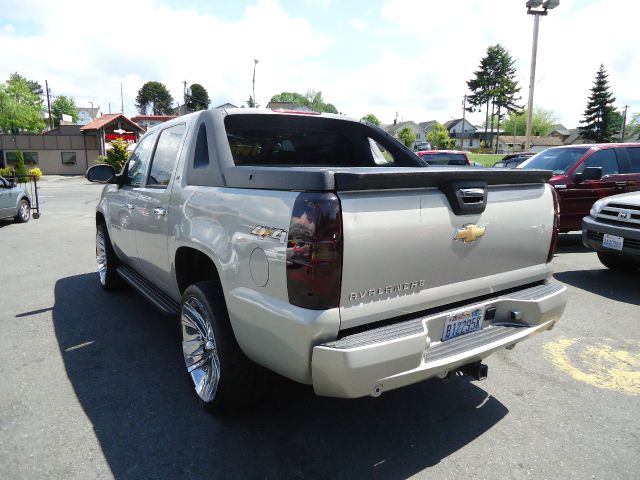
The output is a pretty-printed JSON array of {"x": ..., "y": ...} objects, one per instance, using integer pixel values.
[{"x": 92, "y": 385}]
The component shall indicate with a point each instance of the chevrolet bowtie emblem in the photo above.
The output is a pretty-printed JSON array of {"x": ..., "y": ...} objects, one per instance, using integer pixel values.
[{"x": 469, "y": 233}]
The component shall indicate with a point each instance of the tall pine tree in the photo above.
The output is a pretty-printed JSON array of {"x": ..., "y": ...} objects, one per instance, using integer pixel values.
[{"x": 599, "y": 123}]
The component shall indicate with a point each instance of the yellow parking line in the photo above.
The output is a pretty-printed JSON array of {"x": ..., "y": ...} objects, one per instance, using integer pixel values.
[{"x": 598, "y": 364}]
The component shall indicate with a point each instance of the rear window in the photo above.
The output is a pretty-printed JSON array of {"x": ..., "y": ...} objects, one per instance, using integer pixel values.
[
  {"x": 288, "y": 140},
  {"x": 445, "y": 159},
  {"x": 559, "y": 160}
]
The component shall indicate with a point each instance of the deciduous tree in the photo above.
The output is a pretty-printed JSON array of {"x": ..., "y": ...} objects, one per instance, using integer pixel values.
[
  {"x": 371, "y": 118},
  {"x": 542, "y": 122},
  {"x": 154, "y": 97},
  {"x": 598, "y": 122},
  {"x": 311, "y": 99},
  {"x": 407, "y": 137},
  {"x": 63, "y": 105},
  {"x": 20, "y": 109},
  {"x": 438, "y": 137}
]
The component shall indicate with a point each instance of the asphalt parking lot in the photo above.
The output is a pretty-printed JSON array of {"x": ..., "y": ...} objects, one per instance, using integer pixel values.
[{"x": 92, "y": 385}]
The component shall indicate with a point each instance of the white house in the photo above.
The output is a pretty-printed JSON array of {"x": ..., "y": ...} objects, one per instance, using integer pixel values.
[
  {"x": 463, "y": 132},
  {"x": 395, "y": 128}
]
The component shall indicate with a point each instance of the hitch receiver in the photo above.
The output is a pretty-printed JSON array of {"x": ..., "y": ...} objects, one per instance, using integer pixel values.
[{"x": 477, "y": 370}]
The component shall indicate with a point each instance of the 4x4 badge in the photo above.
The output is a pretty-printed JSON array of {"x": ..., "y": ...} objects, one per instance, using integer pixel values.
[{"x": 469, "y": 233}]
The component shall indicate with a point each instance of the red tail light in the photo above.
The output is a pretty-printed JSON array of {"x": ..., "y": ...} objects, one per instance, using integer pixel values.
[
  {"x": 556, "y": 224},
  {"x": 314, "y": 251}
]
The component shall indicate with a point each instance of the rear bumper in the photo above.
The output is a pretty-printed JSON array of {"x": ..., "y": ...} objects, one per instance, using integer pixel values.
[
  {"x": 385, "y": 358},
  {"x": 594, "y": 230}
]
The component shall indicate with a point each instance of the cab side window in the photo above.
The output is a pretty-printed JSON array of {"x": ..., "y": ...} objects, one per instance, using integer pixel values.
[
  {"x": 139, "y": 160},
  {"x": 165, "y": 156},
  {"x": 634, "y": 159},
  {"x": 603, "y": 158}
]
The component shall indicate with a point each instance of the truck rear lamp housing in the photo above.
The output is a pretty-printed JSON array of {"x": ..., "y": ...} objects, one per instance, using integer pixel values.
[
  {"x": 314, "y": 252},
  {"x": 556, "y": 225}
]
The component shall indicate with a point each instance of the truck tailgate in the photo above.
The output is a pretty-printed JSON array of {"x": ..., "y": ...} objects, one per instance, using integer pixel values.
[{"x": 401, "y": 254}]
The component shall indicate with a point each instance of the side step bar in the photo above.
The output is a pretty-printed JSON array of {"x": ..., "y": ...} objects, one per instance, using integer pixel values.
[{"x": 148, "y": 290}]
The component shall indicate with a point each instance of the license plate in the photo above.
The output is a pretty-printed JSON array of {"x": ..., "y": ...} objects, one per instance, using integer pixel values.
[
  {"x": 612, "y": 241},
  {"x": 462, "y": 322}
]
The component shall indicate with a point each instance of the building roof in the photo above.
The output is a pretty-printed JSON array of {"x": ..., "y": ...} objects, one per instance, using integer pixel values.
[
  {"x": 159, "y": 118},
  {"x": 227, "y": 105},
  {"x": 535, "y": 141},
  {"x": 104, "y": 120},
  {"x": 392, "y": 129},
  {"x": 428, "y": 124}
]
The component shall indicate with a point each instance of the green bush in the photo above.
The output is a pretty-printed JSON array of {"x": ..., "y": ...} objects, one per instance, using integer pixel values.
[
  {"x": 117, "y": 155},
  {"x": 21, "y": 170},
  {"x": 6, "y": 172}
]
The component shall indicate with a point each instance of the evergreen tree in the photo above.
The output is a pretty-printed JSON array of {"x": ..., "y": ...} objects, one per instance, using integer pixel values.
[
  {"x": 371, "y": 118},
  {"x": 599, "y": 117},
  {"x": 154, "y": 96},
  {"x": 198, "y": 99},
  {"x": 494, "y": 85}
]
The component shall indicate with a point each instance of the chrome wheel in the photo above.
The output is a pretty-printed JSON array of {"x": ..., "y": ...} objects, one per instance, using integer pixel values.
[
  {"x": 199, "y": 349},
  {"x": 24, "y": 211},
  {"x": 101, "y": 256}
]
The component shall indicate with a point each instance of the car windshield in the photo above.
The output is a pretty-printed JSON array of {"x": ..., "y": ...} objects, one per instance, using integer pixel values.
[
  {"x": 445, "y": 159},
  {"x": 559, "y": 160}
]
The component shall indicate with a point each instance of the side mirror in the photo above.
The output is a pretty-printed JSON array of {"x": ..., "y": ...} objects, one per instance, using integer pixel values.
[
  {"x": 589, "y": 173},
  {"x": 102, "y": 173}
]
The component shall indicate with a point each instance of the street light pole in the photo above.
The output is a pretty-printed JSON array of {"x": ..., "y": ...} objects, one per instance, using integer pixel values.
[
  {"x": 255, "y": 62},
  {"x": 531, "y": 5}
]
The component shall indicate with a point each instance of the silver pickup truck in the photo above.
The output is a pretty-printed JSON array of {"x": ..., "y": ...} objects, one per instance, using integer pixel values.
[{"x": 322, "y": 249}]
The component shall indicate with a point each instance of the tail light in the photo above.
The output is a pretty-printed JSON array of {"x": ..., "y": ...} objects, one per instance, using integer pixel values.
[
  {"x": 314, "y": 251},
  {"x": 556, "y": 224}
]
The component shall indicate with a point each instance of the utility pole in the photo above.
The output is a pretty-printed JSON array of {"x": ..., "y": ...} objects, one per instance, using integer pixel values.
[
  {"x": 464, "y": 109},
  {"x": 255, "y": 62},
  {"x": 92, "y": 116},
  {"x": 121, "y": 99},
  {"x": 624, "y": 123},
  {"x": 46, "y": 85},
  {"x": 531, "y": 5}
]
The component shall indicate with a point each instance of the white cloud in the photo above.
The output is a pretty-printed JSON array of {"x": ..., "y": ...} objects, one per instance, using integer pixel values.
[
  {"x": 357, "y": 24},
  {"x": 88, "y": 60},
  {"x": 421, "y": 54}
]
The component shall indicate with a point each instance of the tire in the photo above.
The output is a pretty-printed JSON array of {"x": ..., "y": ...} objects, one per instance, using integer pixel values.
[
  {"x": 221, "y": 375},
  {"x": 24, "y": 212},
  {"x": 107, "y": 260},
  {"x": 618, "y": 262}
]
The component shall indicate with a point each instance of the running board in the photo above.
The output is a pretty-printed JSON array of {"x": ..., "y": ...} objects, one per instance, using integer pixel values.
[{"x": 148, "y": 290}]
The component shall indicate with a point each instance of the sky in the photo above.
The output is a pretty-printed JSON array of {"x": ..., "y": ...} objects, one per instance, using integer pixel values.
[{"x": 410, "y": 58}]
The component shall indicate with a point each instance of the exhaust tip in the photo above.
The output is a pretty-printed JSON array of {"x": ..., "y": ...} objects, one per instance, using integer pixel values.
[{"x": 377, "y": 391}]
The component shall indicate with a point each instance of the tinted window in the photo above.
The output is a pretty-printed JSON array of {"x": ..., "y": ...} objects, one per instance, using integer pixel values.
[
  {"x": 137, "y": 165},
  {"x": 445, "y": 159},
  {"x": 201, "y": 156},
  {"x": 166, "y": 156},
  {"x": 634, "y": 159},
  {"x": 602, "y": 158},
  {"x": 559, "y": 160}
]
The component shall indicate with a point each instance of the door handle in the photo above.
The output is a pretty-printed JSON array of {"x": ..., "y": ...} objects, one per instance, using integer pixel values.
[
  {"x": 160, "y": 211},
  {"x": 129, "y": 206},
  {"x": 621, "y": 184}
]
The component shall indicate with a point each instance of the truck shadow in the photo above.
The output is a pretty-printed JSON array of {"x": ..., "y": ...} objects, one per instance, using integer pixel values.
[
  {"x": 618, "y": 286},
  {"x": 571, "y": 243},
  {"x": 126, "y": 369}
]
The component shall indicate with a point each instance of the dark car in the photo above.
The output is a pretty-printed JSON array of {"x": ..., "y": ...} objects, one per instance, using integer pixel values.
[
  {"x": 512, "y": 160},
  {"x": 14, "y": 201},
  {"x": 444, "y": 157},
  {"x": 583, "y": 174}
]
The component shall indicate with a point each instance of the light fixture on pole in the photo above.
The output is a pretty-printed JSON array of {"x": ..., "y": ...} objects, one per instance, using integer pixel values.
[
  {"x": 255, "y": 62},
  {"x": 532, "y": 9}
]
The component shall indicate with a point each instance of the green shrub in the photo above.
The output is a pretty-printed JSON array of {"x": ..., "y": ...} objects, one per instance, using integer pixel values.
[
  {"x": 21, "y": 170},
  {"x": 117, "y": 155},
  {"x": 6, "y": 172}
]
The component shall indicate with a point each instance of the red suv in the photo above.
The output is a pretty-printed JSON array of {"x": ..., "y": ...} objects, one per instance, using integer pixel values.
[{"x": 583, "y": 174}]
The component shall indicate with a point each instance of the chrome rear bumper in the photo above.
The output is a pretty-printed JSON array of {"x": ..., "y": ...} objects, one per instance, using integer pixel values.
[{"x": 389, "y": 357}]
